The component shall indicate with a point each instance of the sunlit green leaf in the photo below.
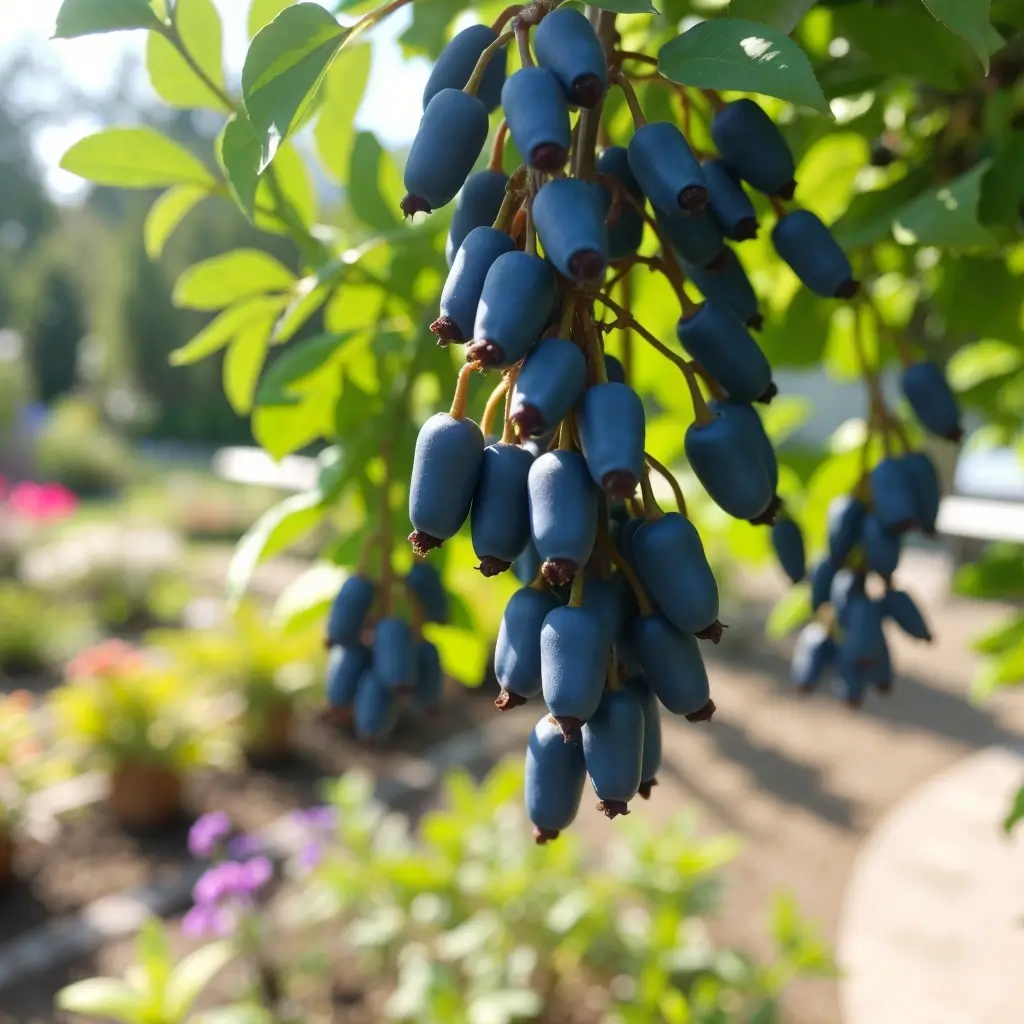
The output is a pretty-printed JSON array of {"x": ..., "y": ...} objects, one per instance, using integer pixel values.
[
  {"x": 982, "y": 361},
  {"x": 226, "y": 279},
  {"x": 174, "y": 80},
  {"x": 238, "y": 152},
  {"x": 243, "y": 362},
  {"x": 946, "y": 216},
  {"x": 91, "y": 17},
  {"x": 134, "y": 158},
  {"x": 307, "y": 598},
  {"x": 343, "y": 93},
  {"x": 102, "y": 997},
  {"x": 224, "y": 327},
  {"x": 299, "y": 361},
  {"x": 969, "y": 20},
  {"x": 464, "y": 653},
  {"x": 1002, "y": 188},
  {"x": 167, "y": 213},
  {"x": 262, "y": 12},
  {"x": 368, "y": 166},
  {"x": 626, "y": 6},
  {"x": 193, "y": 975}
]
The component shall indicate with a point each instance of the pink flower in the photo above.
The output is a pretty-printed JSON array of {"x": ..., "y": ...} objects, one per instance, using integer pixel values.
[{"x": 42, "y": 501}]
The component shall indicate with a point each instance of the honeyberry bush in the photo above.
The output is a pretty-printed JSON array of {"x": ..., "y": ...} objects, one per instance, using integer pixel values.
[{"x": 880, "y": 160}]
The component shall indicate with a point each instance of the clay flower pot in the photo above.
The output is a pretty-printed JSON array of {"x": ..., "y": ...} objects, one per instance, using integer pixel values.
[
  {"x": 145, "y": 796},
  {"x": 269, "y": 731},
  {"x": 6, "y": 857}
]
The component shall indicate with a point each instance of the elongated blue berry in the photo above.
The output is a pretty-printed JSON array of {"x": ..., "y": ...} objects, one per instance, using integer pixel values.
[
  {"x": 852, "y": 678},
  {"x": 788, "y": 542},
  {"x": 345, "y": 667},
  {"x": 555, "y": 776},
  {"x": 563, "y": 513},
  {"x": 728, "y": 285},
  {"x": 674, "y": 570},
  {"x": 349, "y": 610},
  {"x": 881, "y": 548},
  {"x": 515, "y": 304},
  {"x": 847, "y": 586},
  {"x": 902, "y": 609},
  {"x": 500, "y": 517},
  {"x": 697, "y": 239},
  {"x": 538, "y": 117},
  {"x": 845, "y": 520},
  {"x": 930, "y": 396},
  {"x": 449, "y": 139},
  {"x": 813, "y": 254},
  {"x": 752, "y": 145},
  {"x": 549, "y": 383},
  {"x": 822, "y": 577},
  {"x": 751, "y": 423},
  {"x": 924, "y": 482},
  {"x": 626, "y": 223},
  {"x": 815, "y": 652},
  {"x": 612, "y": 435},
  {"x": 517, "y": 664},
  {"x": 569, "y": 215},
  {"x": 729, "y": 204},
  {"x": 527, "y": 565},
  {"x": 879, "y": 672},
  {"x": 651, "y": 762},
  {"x": 394, "y": 660},
  {"x": 476, "y": 206},
  {"x": 666, "y": 169},
  {"x": 458, "y": 59},
  {"x": 863, "y": 638},
  {"x": 892, "y": 495},
  {"x": 717, "y": 339},
  {"x": 573, "y": 663},
  {"x": 445, "y": 468},
  {"x": 465, "y": 283},
  {"x": 673, "y": 667},
  {"x": 614, "y": 370},
  {"x": 427, "y": 587},
  {"x": 376, "y": 709},
  {"x": 565, "y": 43},
  {"x": 613, "y": 749},
  {"x": 606, "y": 598},
  {"x": 429, "y": 685}
]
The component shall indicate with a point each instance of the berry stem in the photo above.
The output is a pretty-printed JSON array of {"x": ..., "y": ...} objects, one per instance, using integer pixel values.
[
  {"x": 363, "y": 564},
  {"x": 522, "y": 33},
  {"x": 644, "y": 58},
  {"x": 677, "y": 490},
  {"x": 576, "y": 593},
  {"x": 626, "y": 294},
  {"x": 531, "y": 228},
  {"x": 642, "y": 600},
  {"x": 595, "y": 351},
  {"x": 651, "y": 508},
  {"x": 588, "y": 125},
  {"x": 497, "y": 161},
  {"x": 631, "y": 99},
  {"x": 778, "y": 208},
  {"x": 565, "y": 441},
  {"x": 508, "y": 434},
  {"x": 459, "y": 399},
  {"x": 626, "y": 319},
  {"x": 490, "y": 410},
  {"x": 505, "y": 17},
  {"x": 511, "y": 203},
  {"x": 716, "y": 101},
  {"x": 713, "y": 386},
  {"x": 568, "y": 312},
  {"x": 483, "y": 60},
  {"x": 418, "y": 615}
]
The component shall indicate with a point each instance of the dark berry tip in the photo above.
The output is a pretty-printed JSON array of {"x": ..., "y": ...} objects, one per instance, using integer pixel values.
[
  {"x": 884, "y": 688},
  {"x": 646, "y": 787},
  {"x": 423, "y": 542},
  {"x": 769, "y": 515},
  {"x": 528, "y": 420},
  {"x": 755, "y": 322},
  {"x": 613, "y": 808},
  {"x": 544, "y": 835},
  {"x": 557, "y": 572},
  {"x": 620, "y": 483},
  {"x": 570, "y": 727},
  {"x": 719, "y": 262},
  {"x": 447, "y": 330},
  {"x": 413, "y": 204},
  {"x": 548, "y": 157},
  {"x": 705, "y": 714},
  {"x": 506, "y": 700},
  {"x": 713, "y": 632},
  {"x": 338, "y": 716},
  {"x": 485, "y": 352},
  {"x": 787, "y": 191},
  {"x": 744, "y": 230},
  {"x": 854, "y": 703},
  {"x": 587, "y": 91},
  {"x": 956, "y": 436},
  {"x": 586, "y": 265},
  {"x": 490, "y": 566},
  {"x": 848, "y": 289},
  {"x": 769, "y": 393},
  {"x": 693, "y": 199}
]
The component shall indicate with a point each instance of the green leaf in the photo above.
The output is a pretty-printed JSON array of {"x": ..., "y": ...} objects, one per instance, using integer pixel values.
[
  {"x": 226, "y": 279},
  {"x": 153, "y": 950},
  {"x": 946, "y": 216},
  {"x": 343, "y": 94},
  {"x": 367, "y": 170},
  {"x": 1002, "y": 188},
  {"x": 626, "y": 6},
  {"x": 134, "y": 158},
  {"x": 223, "y": 328},
  {"x": 283, "y": 429},
  {"x": 238, "y": 153},
  {"x": 1004, "y": 637},
  {"x": 102, "y": 997},
  {"x": 302, "y": 359},
  {"x": 870, "y": 216},
  {"x": 92, "y": 17},
  {"x": 977, "y": 363},
  {"x": 969, "y": 19},
  {"x": 780, "y": 14},
  {"x": 167, "y": 213},
  {"x": 293, "y": 183},
  {"x": 274, "y": 531},
  {"x": 743, "y": 56},
  {"x": 464, "y": 652},
  {"x": 193, "y": 975},
  {"x": 310, "y": 294},
  {"x": 262, "y": 12},
  {"x": 173, "y": 78},
  {"x": 1016, "y": 813},
  {"x": 307, "y": 598},
  {"x": 791, "y": 611},
  {"x": 243, "y": 362},
  {"x": 285, "y": 65}
]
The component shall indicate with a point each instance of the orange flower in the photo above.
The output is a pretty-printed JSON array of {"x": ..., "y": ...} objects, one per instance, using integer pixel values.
[
  {"x": 107, "y": 658},
  {"x": 20, "y": 700}
]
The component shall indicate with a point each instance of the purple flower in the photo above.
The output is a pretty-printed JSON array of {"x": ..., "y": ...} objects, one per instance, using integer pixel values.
[
  {"x": 206, "y": 919},
  {"x": 219, "y": 883},
  {"x": 320, "y": 819},
  {"x": 255, "y": 874},
  {"x": 207, "y": 833},
  {"x": 245, "y": 845},
  {"x": 311, "y": 855}
]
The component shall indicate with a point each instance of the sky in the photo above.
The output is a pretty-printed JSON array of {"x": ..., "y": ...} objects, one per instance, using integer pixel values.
[{"x": 90, "y": 64}]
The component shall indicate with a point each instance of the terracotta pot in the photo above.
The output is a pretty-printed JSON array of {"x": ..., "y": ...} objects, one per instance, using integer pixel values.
[
  {"x": 145, "y": 796},
  {"x": 6, "y": 857},
  {"x": 269, "y": 732}
]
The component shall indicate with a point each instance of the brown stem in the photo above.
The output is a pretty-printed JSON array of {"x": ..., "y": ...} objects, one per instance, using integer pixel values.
[
  {"x": 677, "y": 490},
  {"x": 505, "y": 17},
  {"x": 632, "y": 101},
  {"x": 483, "y": 60},
  {"x": 644, "y": 58},
  {"x": 531, "y": 228},
  {"x": 576, "y": 593},
  {"x": 508, "y": 434},
  {"x": 595, "y": 351},
  {"x": 716, "y": 101},
  {"x": 458, "y": 409},
  {"x": 522, "y": 32},
  {"x": 497, "y": 161},
  {"x": 497, "y": 396},
  {"x": 626, "y": 292},
  {"x": 777, "y": 207},
  {"x": 642, "y": 600},
  {"x": 651, "y": 507}
]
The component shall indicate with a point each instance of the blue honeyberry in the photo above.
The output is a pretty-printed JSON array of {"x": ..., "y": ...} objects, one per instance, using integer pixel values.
[
  {"x": 666, "y": 169},
  {"x": 881, "y": 548},
  {"x": 476, "y": 206},
  {"x": 517, "y": 664},
  {"x": 753, "y": 425},
  {"x": 349, "y": 610},
  {"x": 788, "y": 542},
  {"x": 394, "y": 655},
  {"x": 673, "y": 666},
  {"x": 902, "y": 609},
  {"x": 376, "y": 710},
  {"x": 924, "y": 482},
  {"x": 500, "y": 515},
  {"x": 426, "y": 585},
  {"x": 549, "y": 383},
  {"x": 822, "y": 577},
  {"x": 753, "y": 147},
  {"x": 847, "y": 586},
  {"x": 457, "y": 60},
  {"x": 814, "y": 654},
  {"x": 614, "y": 370},
  {"x": 892, "y": 495},
  {"x": 613, "y": 434},
  {"x": 728, "y": 285},
  {"x": 651, "y": 760},
  {"x": 729, "y": 204},
  {"x": 429, "y": 685},
  {"x": 569, "y": 216},
  {"x": 845, "y": 524},
  {"x": 565, "y": 43},
  {"x": 813, "y": 254},
  {"x": 926, "y": 389},
  {"x": 345, "y": 667},
  {"x": 626, "y": 224},
  {"x": 574, "y": 662},
  {"x": 555, "y": 776},
  {"x": 526, "y": 567},
  {"x": 613, "y": 749},
  {"x": 538, "y": 117},
  {"x": 697, "y": 239}
]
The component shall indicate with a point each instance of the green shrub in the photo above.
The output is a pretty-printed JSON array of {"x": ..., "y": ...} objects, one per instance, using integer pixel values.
[{"x": 35, "y": 636}]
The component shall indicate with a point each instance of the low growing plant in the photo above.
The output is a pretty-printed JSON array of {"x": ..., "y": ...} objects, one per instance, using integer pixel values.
[{"x": 34, "y": 635}]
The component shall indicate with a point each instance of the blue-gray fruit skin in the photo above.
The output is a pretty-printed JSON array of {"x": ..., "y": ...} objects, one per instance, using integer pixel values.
[
  {"x": 563, "y": 513},
  {"x": 666, "y": 169},
  {"x": 613, "y": 749},
  {"x": 788, "y": 542},
  {"x": 728, "y": 285},
  {"x": 815, "y": 652},
  {"x": 569, "y": 216},
  {"x": 458, "y": 59},
  {"x": 476, "y": 206},
  {"x": 465, "y": 283},
  {"x": 924, "y": 479},
  {"x": 376, "y": 709},
  {"x": 515, "y": 304},
  {"x": 863, "y": 626},
  {"x": 605, "y": 598},
  {"x": 753, "y": 147},
  {"x": 565, "y": 43},
  {"x": 881, "y": 548},
  {"x": 674, "y": 570},
  {"x": 845, "y": 520},
  {"x": 349, "y": 610},
  {"x": 527, "y": 565},
  {"x": 752, "y": 423},
  {"x": 614, "y": 370},
  {"x": 851, "y": 681},
  {"x": 813, "y": 254},
  {"x": 627, "y": 535},
  {"x": 345, "y": 667},
  {"x": 879, "y": 672},
  {"x": 500, "y": 516},
  {"x": 445, "y": 467},
  {"x": 426, "y": 694},
  {"x": 555, "y": 776},
  {"x": 394, "y": 655},
  {"x": 725, "y": 459},
  {"x": 672, "y": 665},
  {"x": 612, "y": 435},
  {"x": 930, "y": 396},
  {"x": 573, "y": 663},
  {"x": 846, "y": 587},
  {"x": 517, "y": 650},
  {"x": 450, "y": 137},
  {"x": 718, "y": 340},
  {"x": 538, "y": 117},
  {"x": 728, "y": 202},
  {"x": 651, "y": 761},
  {"x": 549, "y": 383},
  {"x": 892, "y": 495},
  {"x": 627, "y": 230},
  {"x": 822, "y": 577},
  {"x": 696, "y": 239},
  {"x": 428, "y": 588},
  {"x": 902, "y": 609}
]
